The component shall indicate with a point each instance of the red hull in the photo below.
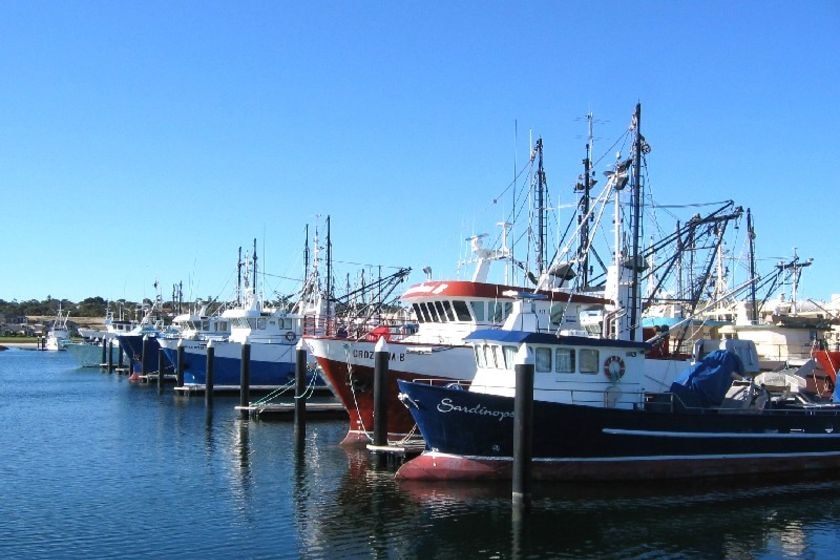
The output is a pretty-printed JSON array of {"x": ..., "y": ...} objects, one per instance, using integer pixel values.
[
  {"x": 829, "y": 361},
  {"x": 356, "y": 394}
]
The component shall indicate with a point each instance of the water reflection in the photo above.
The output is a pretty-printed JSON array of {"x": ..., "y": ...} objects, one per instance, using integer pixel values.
[{"x": 677, "y": 521}]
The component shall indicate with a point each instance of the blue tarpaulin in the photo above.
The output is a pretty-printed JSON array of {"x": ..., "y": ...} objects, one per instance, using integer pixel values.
[{"x": 705, "y": 383}]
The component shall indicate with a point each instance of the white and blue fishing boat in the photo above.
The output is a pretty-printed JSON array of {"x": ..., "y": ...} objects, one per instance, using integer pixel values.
[
  {"x": 594, "y": 419},
  {"x": 272, "y": 334},
  {"x": 140, "y": 344},
  {"x": 600, "y": 411}
]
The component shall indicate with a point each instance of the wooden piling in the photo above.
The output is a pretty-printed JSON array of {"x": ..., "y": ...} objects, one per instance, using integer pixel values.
[
  {"x": 208, "y": 381},
  {"x": 179, "y": 367},
  {"x": 380, "y": 393},
  {"x": 110, "y": 360},
  {"x": 245, "y": 378},
  {"x": 523, "y": 417},
  {"x": 144, "y": 350},
  {"x": 300, "y": 388}
]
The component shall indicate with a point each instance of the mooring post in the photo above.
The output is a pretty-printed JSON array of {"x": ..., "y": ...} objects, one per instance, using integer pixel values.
[
  {"x": 110, "y": 356},
  {"x": 245, "y": 379},
  {"x": 179, "y": 368},
  {"x": 380, "y": 393},
  {"x": 523, "y": 416},
  {"x": 161, "y": 361},
  {"x": 104, "y": 344},
  {"x": 144, "y": 353},
  {"x": 119, "y": 356},
  {"x": 208, "y": 381},
  {"x": 300, "y": 389}
]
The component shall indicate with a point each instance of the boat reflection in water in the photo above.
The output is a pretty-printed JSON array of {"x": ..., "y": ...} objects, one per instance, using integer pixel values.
[{"x": 777, "y": 518}]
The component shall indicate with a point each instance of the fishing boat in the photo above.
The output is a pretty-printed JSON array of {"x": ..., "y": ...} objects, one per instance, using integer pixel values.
[
  {"x": 271, "y": 333},
  {"x": 140, "y": 344},
  {"x": 594, "y": 419},
  {"x": 112, "y": 326},
  {"x": 595, "y": 416},
  {"x": 58, "y": 334}
]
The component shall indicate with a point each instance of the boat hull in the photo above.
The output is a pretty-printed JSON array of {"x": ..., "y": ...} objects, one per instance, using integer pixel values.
[
  {"x": 143, "y": 362},
  {"x": 348, "y": 368},
  {"x": 271, "y": 365},
  {"x": 469, "y": 436}
]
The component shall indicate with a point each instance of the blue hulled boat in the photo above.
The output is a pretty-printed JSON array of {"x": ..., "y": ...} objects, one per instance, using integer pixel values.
[{"x": 593, "y": 418}]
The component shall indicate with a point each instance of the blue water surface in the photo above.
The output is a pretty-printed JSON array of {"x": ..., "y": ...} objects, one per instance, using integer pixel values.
[{"x": 94, "y": 466}]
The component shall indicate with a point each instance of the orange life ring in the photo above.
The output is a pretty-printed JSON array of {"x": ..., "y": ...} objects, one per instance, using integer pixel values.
[{"x": 614, "y": 368}]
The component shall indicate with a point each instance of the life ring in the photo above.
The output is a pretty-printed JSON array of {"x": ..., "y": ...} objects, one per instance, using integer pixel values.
[
  {"x": 290, "y": 336},
  {"x": 614, "y": 368}
]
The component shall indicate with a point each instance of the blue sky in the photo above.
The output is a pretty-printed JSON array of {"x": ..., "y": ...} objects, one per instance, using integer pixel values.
[{"x": 144, "y": 141}]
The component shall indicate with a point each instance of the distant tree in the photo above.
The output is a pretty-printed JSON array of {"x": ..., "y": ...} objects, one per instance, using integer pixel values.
[{"x": 92, "y": 307}]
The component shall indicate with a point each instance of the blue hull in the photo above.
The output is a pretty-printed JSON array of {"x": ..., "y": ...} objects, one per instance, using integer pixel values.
[
  {"x": 475, "y": 432},
  {"x": 132, "y": 345},
  {"x": 228, "y": 371}
]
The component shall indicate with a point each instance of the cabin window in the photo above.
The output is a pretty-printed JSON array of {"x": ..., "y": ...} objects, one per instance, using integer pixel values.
[
  {"x": 557, "y": 313},
  {"x": 564, "y": 360},
  {"x": 222, "y": 326},
  {"x": 425, "y": 312},
  {"x": 461, "y": 310},
  {"x": 589, "y": 360},
  {"x": 480, "y": 355},
  {"x": 432, "y": 313},
  {"x": 261, "y": 323},
  {"x": 506, "y": 307},
  {"x": 418, "y": 313},
  {"x": 498, "y": 356},
  {"x": 425, "y": 309},
  {"x": 478, "y": 311},
  {"x": 441, "y": 314},
  {"x": 205, "y": 325},
  {"x": 542, "y": 360},
  {"x": 448, "y": 308},
  {"x": 489, "y": 358},
  {"x": 510, "y": 356},
  {"x": 497, "y": 312}
]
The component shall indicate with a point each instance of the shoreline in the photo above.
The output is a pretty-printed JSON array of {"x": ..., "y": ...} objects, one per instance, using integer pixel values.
[{"x": 23, "y": 345}]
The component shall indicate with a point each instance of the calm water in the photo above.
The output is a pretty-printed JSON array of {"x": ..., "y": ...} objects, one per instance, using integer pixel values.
[{"x": 95, "y": 467}]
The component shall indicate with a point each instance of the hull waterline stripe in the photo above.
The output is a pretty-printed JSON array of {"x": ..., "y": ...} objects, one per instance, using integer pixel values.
[{"x": 720, "y": 435}]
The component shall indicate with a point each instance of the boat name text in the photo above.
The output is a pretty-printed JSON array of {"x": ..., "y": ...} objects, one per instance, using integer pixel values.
[
  {"x": 446, "y": 406},
  {"x": 370, "y": 355}
]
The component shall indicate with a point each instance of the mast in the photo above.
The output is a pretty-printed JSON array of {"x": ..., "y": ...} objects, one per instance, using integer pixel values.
[
  {"x": 254, "y": 279},
  {"x": 306, "y": 253},
  {"x": 584, "y": 204},
  {"x": 636, "y": 190},
  {"x": 239, "y": 278},
  {"x": 541, "y": 222},
  {"x": 329, "y": 271},
  {"x": 751, "y": 236}
]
